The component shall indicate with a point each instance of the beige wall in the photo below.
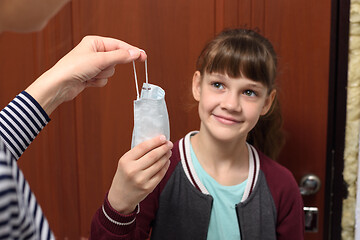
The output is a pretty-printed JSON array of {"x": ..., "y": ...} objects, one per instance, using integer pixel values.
[{"x": 352, "y": 123}]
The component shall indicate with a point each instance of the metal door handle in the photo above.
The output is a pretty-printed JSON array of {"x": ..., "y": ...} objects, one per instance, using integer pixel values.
[{"x": 309, "y": 184}]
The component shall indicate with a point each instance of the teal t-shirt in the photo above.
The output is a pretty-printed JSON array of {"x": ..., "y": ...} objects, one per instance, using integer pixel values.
[{"x": 223, "y": 220}]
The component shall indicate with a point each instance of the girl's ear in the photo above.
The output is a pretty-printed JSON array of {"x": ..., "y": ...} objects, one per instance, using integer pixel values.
[
  {"x": 196, "y": 85},
  {"x": 268, "y": 102}
]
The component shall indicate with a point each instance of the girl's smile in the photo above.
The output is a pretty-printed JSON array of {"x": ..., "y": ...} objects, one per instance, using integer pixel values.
[{"x": 226, "y": 120}]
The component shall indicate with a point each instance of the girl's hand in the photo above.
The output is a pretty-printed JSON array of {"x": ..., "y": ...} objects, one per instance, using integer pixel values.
[
  {"x": 139, "y": 171},
  {"x": 89, "y": 64}
]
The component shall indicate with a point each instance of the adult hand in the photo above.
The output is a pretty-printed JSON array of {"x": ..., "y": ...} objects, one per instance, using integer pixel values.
[
  {"x": 89, "y": 64},
  {"x": 139, "y": 171}
]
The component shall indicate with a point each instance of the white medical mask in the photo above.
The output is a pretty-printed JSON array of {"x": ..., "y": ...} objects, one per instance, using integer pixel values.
[{"x": 150, "y": 113}]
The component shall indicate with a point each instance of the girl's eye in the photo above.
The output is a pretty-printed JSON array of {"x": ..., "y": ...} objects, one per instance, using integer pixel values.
[
  {"x": 250, "y": 93},
  {"x": 218, "y": 85}
]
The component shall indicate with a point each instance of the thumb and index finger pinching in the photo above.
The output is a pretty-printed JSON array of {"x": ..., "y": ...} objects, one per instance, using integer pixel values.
[
  {"x": 119, "y": 51},
  {"x": 124, "y": 55},
  {"x": 137, "y": 54}
]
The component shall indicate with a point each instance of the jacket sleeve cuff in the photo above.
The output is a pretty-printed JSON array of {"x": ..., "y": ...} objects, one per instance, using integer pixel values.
[{"x": 116, "y": 222}]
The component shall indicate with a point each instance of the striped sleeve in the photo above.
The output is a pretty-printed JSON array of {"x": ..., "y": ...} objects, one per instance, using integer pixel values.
[
  {"x": 20, "y": 122},
  {"x": 21, "y": 216}
]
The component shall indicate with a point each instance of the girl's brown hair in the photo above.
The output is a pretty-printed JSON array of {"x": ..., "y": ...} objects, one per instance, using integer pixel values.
[{"x": 245, "y": 53}]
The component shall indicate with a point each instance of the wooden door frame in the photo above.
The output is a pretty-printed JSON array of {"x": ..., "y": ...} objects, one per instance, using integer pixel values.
[{"x": 335, "y": 187}]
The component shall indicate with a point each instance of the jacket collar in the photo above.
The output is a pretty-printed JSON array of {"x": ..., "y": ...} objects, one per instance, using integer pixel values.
[{"x": 188, "y": 167}]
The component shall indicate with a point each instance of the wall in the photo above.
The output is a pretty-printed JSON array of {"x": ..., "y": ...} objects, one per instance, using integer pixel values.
[{"x": 352, "y": 123}]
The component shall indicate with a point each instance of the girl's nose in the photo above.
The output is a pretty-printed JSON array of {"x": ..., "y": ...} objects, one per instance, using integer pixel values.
[{"x": 231, "y": 102}]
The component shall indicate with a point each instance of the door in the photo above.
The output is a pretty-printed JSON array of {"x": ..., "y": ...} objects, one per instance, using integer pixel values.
[
  {"x": 87, "y": 136},
  {"x": 173, "y": 33},
  {"x": 300, "y": 32}
]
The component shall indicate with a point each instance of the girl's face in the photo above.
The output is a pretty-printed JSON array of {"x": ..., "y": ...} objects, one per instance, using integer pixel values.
[{"x": 230, "y": 107}]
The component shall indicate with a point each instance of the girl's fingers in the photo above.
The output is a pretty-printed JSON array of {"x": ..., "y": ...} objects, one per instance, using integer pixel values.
[
  {"x": 143, "y": 148},
  {"x": 154, "y": 156},
  {"x": 152, "y": 169},
  {"x": 146, "y": 164},
  {"x": 158, "y": 176}
]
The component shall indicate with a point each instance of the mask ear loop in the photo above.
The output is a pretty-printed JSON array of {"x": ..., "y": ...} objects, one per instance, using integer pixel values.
[
  {"x": 136, "y": 83},
  {"x": 146, "y": 76}
]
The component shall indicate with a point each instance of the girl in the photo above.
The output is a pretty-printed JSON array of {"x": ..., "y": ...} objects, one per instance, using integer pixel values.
[{"x": 217, "y": 186}]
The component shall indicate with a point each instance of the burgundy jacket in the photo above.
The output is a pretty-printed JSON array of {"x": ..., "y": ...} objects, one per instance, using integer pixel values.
[{"x": 180, "y": 206}]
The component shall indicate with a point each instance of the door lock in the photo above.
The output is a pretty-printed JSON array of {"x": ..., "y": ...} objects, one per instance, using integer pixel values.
[
  {"x": 309, "y": 184},
  {"x": 311, "y": 219}
]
